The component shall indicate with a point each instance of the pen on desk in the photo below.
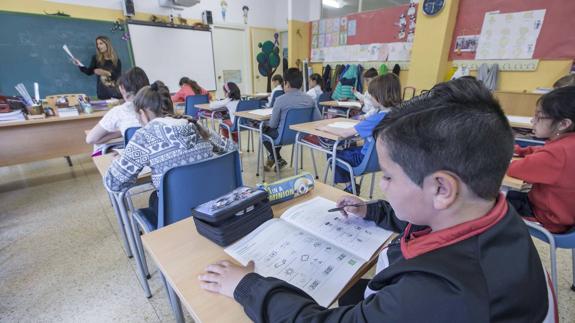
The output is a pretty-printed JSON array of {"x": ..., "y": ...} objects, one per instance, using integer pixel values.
[{"x": 354, "y": 205}]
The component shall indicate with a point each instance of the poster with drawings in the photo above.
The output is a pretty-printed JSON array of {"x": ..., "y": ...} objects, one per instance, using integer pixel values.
[
  {"x": 315, "y": 250},
  {"x": 509, "y": 35}
]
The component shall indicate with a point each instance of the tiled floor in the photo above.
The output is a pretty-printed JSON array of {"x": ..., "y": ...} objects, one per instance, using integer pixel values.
[{"x": 61, "y": 258}]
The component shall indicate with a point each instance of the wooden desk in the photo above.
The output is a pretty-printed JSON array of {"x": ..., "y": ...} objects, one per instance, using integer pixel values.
[
  {"x": 255, "y": 116},
  {"x": 32, "y": 140},
  {"x": 182, "y": 254},
  {"x": 312, "y": 128},
  {"x": 256, "y": 95},
  {"x": 518, "y": 103}
]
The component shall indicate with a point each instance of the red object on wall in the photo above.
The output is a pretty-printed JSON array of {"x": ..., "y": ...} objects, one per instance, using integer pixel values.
[
  {"x": 556, "y": 39},
  {"x": 378, "y": 26}
]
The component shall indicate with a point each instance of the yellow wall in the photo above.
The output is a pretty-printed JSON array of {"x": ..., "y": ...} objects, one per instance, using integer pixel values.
[
  {"x": 298, "y": 41},
  {"x": 430, "y": 52},
  {"x": 546, "y": 74}
]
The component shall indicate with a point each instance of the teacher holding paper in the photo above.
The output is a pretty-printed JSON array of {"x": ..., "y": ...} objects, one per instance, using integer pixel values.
[{"x": 106, "y": 64}]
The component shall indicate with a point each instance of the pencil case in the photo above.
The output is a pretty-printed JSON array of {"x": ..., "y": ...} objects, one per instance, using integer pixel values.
[
  {"x": 232, "y": 216},
  {"x": 288, "y": 188}
]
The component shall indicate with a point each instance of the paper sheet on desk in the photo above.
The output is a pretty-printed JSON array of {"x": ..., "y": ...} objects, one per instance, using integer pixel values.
[
  {"x": 349, "y": 104},
  {"x": 519, "y": 119},
  {"x": 262, "y": 112},
  {"x": 342, "y": 125},
  {"x": 67, "y": 50}
]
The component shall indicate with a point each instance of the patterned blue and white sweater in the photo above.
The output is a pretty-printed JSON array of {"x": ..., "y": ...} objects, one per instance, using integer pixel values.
[{"x": 163, "y": 144}]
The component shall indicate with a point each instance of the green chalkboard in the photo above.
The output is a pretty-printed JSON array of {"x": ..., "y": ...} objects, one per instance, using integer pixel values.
[{"x": 31, "y": 51}]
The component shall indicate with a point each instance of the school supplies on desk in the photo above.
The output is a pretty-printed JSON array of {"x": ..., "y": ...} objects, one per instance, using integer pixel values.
[
  {"x": 288, "y": 188},
  {"x": 312, "y": 249},
  {"x": 229, "y": 218}
]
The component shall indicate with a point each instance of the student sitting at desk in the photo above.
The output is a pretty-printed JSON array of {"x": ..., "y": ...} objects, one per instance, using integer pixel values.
[
  {"x": 119, "y": 118},
  {"x": 550, "y": 167},
  {"x": 293, "y": 98},
  {"x": 188, "y": 87},
  {"x": 382, "y": 89},
  {"x": 369, "y": 107},
  {"x": 187, "y": 142},
  {"x": 233, "y": 97},
  {"x": 277, "y": 84},
  {"x": 315, "y": 86},
  {"x": 462, "y": 254}
]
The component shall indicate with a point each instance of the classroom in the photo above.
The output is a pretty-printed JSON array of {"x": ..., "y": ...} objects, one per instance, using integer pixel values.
[{"x": 414, "y": 160}]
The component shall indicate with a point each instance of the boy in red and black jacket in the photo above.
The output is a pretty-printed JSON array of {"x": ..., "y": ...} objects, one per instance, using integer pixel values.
[{"x": 463, "y": 255}]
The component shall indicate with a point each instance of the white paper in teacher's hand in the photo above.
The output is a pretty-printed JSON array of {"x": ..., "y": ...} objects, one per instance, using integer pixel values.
[{"x": 67, "y": 50}]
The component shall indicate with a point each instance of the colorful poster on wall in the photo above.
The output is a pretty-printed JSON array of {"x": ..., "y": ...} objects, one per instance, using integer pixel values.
[
  {"x": 466, "y": 43},
  {"x": 400, "y": 51},
  {"x": 351, "y": 27},
  {"x": 510, "y": 35}
]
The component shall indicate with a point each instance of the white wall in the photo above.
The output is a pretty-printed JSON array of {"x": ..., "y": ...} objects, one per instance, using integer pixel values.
[
  {"x": 304, "y": 10},
  {"x": 281, "y": 15},
  {"x": 262, "y": 13}
]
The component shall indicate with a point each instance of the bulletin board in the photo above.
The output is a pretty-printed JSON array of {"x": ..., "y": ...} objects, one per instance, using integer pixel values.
[
  {"x": 379, "y": 35},
  {"x": 556, "y": 39}
]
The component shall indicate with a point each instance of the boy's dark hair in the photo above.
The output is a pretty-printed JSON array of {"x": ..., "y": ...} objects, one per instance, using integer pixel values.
[
  {"x": 294, "y": 77},
  {"x": 559, "y": 104},
  {"x": 566, "y": 80},
  {"x": 233, "y": 91},
  {"x": 458, "y": 126},
  {"x": 155, "y": 98},
  {"x": 317, "y": 78},
  {"x": 278, "y": 78},
  {"x": 133, "y": 80},
  {"x": 386, "y": 90},
  {"x": 370, "y": 73}
]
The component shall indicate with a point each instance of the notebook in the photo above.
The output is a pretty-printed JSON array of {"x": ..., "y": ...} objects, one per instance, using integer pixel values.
[{"x": 312, "y": 249}]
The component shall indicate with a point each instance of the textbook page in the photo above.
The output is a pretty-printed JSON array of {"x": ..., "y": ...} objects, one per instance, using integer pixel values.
[
  {"x": 351, "y": 104},
  {"x": 289, "y": 253},
  {"x": 353, "y": 234}
]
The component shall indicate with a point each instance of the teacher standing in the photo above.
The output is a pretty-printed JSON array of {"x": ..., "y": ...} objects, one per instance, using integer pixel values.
[{"x": 107, "y": 66}]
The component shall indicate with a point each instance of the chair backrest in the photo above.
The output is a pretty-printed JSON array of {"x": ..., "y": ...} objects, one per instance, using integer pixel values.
[
  {"x": 185, "y": 187},
  {"x": 276, "y": 95},
  {"x": 191, "y": 101},
  {"x": 286, "y": 136},
  {"x": 245, "y": 105},
  {"x": 325, "y": 96},
  {"x": 371, "y": 163},
  {"x": 129, "y": 133}
]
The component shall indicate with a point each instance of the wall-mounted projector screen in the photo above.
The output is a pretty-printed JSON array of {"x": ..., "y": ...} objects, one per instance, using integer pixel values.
[{"x": 169, "y": 53}]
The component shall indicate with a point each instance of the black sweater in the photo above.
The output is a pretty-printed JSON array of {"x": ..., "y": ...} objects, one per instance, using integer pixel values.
[
  {"x": 103, "y": 91},
  {"x": 493, "y": 276}
]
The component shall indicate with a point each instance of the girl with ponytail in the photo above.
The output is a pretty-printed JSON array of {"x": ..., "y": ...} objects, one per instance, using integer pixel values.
[{"x": 165, "y": 141}]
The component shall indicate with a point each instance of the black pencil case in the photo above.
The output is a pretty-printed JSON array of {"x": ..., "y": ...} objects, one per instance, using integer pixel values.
[{"x": 232, "y": 216}]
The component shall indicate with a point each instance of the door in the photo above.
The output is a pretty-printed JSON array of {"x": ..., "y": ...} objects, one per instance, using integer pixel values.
[
  {"x": 231, "y": 58},
  {"x": 260, "y": 35}
]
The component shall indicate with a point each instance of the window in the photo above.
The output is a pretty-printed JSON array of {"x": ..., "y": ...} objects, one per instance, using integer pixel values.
[
  {"x": 354, "y": 6},
  {"x": 367, "y": 5},
  {"x": 347, "y": 7}
]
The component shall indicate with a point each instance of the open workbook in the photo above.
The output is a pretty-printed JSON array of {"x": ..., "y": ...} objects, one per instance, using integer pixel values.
[{"x": 311, "y": 248}]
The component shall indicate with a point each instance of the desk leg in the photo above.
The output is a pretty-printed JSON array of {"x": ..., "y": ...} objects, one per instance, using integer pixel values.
[
  {"x": 121, "y": 225},
  {"x": 260, "y": 147},
  {"x": 174, "y": 302},
  {"x": 131, "y": 241},
  {"x": 334, "y": 162},
  {"x": 297, "y": 153}
]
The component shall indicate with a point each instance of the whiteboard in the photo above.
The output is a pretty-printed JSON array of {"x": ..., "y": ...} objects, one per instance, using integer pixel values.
[{"x": 168, "y": 54}]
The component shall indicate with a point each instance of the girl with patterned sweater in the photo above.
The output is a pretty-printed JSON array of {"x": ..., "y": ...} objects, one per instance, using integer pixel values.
[{"x": 164, "y": 142}]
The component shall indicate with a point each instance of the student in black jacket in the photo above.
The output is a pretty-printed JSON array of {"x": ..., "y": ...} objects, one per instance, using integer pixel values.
[
  {"x": 107, "y": 66},
  {"x": 463, "y": 254}
]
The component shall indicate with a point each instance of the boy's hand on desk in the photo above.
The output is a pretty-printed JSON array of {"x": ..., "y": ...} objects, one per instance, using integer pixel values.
[
  {"x": 223, "y": 277},
  {"x": 360, "y": 211}
]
